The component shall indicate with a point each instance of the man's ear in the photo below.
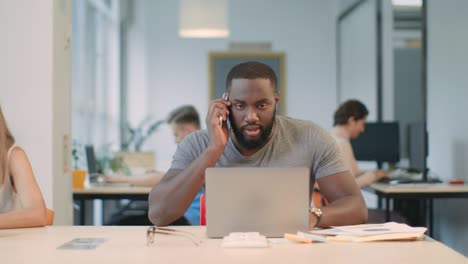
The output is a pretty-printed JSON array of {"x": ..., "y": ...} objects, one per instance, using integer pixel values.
[
  {"x": 350, "y": 120},
  {"x": 276, "y": 101},
  {"x": 277, "y": 97}
]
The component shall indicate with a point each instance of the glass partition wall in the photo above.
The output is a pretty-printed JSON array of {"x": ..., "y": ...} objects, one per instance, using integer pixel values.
[{"x": 380, "y": 61}]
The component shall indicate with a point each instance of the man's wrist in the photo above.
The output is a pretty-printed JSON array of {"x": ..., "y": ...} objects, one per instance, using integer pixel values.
[
  {"x": 211, "y": 156},
  {"x": 316, "y": 216},
  {"x": 312, "y": 221},
  {"x": 215, "y": 150}
]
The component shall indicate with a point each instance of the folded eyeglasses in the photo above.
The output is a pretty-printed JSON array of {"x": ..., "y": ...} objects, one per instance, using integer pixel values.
[{"x": 153, "y": 230}]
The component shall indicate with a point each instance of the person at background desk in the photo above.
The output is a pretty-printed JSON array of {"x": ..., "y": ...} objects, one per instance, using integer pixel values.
[
  {"x": 21, "y": 201},
  {"x": 257, "y": 137},
  {"x": 183, "y": 121},
  {"x": 349, "y": 123}
]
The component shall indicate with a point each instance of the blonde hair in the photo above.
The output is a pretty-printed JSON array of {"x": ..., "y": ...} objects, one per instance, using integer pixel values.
[{"x": 6, "y": 141}]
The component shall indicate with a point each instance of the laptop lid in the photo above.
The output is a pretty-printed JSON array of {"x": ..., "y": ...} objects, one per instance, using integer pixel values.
[{"x": 272, "y": 201}]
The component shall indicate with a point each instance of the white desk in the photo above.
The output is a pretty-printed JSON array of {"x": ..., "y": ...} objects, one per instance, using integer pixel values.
[
  {"x": 128, "y": 245},
  {"x": 441, "y": 190},
  {"x": 117, "y": 190},
  {"x": 425, "y": 192}
]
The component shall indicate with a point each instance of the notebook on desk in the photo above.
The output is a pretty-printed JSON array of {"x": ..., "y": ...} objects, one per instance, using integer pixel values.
[{"x": 271, "y": 201}]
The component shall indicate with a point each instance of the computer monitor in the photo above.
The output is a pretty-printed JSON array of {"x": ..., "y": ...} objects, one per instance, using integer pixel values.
[
  {"x": 379, "y": 142},
  {"x": 91, "y": 159}
]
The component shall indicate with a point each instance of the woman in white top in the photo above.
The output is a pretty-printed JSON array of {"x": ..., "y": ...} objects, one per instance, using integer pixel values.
[
  {"x": 349, "y": 122},
  {"x": 21, "y": 202}
]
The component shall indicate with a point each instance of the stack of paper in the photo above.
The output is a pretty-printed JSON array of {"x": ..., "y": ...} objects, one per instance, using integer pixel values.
[{"x": 372, "y": 232}]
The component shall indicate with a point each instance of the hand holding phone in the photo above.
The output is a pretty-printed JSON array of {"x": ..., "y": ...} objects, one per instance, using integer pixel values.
[{"x": 218, "y": 114}]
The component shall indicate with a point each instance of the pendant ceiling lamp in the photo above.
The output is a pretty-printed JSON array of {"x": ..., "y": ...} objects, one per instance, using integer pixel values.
[
  {"x": 416, "y": 3},
  {"x": 203, "y": 19}
]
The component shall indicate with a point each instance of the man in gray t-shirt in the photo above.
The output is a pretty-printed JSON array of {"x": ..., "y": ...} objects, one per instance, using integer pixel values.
[
  {"x": 294, "y": 143},
  {"x": 256, "y": 137}
]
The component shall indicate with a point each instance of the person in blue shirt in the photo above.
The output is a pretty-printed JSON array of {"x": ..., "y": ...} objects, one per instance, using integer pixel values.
[{"x": 183, "y": 121}]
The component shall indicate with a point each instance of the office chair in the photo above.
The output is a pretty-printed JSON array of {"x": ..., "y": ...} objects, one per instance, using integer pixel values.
[
  {"x": 317, "y": 197},
  {"x": 50, "y": 216},
  {"x": 202, "y": 210}
]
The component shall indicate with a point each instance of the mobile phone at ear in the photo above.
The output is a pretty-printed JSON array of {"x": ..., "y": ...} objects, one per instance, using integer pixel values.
[{"x": 226, "y": 97}]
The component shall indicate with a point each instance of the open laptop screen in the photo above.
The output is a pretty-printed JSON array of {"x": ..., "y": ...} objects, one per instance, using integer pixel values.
[{"x": 272, "y": 201}]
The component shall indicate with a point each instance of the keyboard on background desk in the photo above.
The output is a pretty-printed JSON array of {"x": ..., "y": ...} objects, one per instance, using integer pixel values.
[
  {"x": 111, "y": 184},
  {"x": 99, "y": 180},
  {"x": 402, "y": 176}
]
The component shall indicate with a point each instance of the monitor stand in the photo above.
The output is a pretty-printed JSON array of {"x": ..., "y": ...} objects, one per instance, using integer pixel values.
[{"x": 426, "y": 179}]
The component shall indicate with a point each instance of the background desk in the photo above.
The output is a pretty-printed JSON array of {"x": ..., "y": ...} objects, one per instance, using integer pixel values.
[
  {"x": 128, "y": 245},
  {"x": 110, "y": 192},
  {"x": 426, "y": 192}
]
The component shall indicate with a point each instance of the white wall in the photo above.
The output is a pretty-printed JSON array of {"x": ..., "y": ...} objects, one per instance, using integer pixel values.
[
  {"x": 34, "y": 88},
  {"x": 447, "y": 123},
  {"x": 26, "y": 82},
  {"x": 178, "y": 68}
]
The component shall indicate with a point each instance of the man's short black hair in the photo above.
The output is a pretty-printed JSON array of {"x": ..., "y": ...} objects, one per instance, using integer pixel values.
[
  {"x": 251, "y": 70},
  {"x": 350, "y": 108},
  {"x": 183, "y": 115}
]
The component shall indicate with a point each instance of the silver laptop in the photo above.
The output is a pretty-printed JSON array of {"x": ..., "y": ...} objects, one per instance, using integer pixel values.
[{"x": 272, "y": 201}]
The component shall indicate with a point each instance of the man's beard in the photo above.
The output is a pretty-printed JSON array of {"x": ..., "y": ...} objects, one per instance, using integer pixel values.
[{"x": 250, "y": 144}]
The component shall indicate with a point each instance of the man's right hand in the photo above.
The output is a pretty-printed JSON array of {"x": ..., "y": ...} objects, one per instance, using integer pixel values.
[
  {"x": 381, "y": 174},
  {"x": 219, "y": 132}
]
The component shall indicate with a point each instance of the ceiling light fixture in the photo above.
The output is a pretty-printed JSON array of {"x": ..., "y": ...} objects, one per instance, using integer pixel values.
[
  {"x": 414, "y": 3},
  {"x": 203, "y": 19}
]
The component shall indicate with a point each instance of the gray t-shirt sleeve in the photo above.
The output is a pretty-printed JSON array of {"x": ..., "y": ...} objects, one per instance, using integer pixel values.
[
  {"x": 328, "y": 159},
  {"x": 189, "y": 150}
]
